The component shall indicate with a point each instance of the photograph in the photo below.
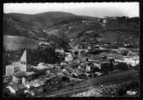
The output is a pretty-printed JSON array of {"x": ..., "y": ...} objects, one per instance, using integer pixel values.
[{"x": 71, "y": 49}]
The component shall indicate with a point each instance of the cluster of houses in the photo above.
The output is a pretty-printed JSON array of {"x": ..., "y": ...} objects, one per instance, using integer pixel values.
[{"x": 75, "y": 66}]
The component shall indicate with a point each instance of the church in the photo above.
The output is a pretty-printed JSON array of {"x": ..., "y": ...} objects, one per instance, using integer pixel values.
[{"x": 17, "y": 66}]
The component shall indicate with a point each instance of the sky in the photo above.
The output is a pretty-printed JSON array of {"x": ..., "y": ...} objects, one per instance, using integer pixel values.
[{"x": 102, "y": 9}]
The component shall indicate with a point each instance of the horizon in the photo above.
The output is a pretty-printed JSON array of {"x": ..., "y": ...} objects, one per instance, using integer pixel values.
[
  {"x": 127, "y": 9},
  {"x": 77, "y": 14}
]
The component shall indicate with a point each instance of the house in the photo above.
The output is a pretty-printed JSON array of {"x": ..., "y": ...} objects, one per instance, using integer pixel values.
[
  {"x": 61, "y": 51},
  {"x": 9, "y": 70},
  {"x": 69, "y": 57},
  {"x": 43, "y": 43},
  {"x": 41, "y": 66},
  {"x": 133, "y": 61}
]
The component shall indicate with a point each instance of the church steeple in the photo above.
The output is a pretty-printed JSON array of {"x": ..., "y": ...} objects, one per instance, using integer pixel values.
[{"x": 23, "y": 58}]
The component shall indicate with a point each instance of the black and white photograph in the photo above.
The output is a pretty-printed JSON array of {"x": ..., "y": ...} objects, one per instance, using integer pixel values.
[{"x": 75, "y": 49}]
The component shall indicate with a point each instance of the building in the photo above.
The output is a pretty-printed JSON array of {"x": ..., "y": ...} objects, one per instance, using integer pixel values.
[
  {"x": 9, "y": 70},
  {"x": 133, "y": 61},
  {"x": 69, "y": 57},
  {"x": 20, "y": 65},
  {"x": 61, "y": 51},
  {"x": 43, "y": 43}
]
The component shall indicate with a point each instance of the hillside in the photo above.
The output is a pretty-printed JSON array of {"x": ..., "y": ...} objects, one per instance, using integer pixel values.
[
  {"x": 13, "y": 43},
  {"x": 33, "y": 25},
  {"x": 85, "y": 85},
  {"x": 66, "y": 26}
]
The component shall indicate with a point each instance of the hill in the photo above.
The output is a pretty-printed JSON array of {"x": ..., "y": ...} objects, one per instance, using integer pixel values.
[{"x": 66, "y": 26}]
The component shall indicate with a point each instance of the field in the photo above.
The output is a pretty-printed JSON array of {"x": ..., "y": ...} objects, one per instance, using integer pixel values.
[
  {"x": 13, "y": 43},
  {"x": 84, "y": 86}
]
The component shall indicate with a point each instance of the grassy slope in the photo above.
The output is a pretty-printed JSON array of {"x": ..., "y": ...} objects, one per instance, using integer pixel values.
[
  {"x": 41, "y": 25},
  {"x": 113, "y": 78},
  {"x": 18, "y": 42}
]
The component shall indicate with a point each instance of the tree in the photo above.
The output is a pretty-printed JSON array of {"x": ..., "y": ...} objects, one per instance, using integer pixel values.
[{"x": 42, "y": 54}]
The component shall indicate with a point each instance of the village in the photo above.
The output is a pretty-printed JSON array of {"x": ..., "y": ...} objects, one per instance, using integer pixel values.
[
  {"x": 73, "y": 49},
  {"x": 80, "y": 63}
]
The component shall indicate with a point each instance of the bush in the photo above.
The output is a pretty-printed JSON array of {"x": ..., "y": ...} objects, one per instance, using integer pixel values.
[
  {"x": 122, "y": 66},
  {"x": 46, "y": 55},
  {"x": 106, "y": 67}
]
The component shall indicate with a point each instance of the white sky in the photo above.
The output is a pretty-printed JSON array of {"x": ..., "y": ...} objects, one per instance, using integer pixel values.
[{"x": 130, "y": 9}]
